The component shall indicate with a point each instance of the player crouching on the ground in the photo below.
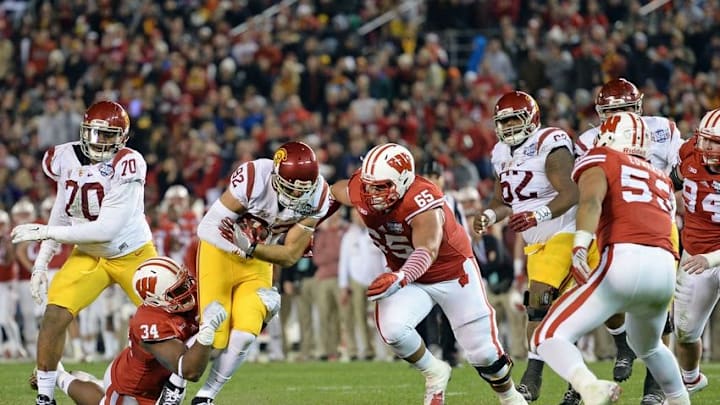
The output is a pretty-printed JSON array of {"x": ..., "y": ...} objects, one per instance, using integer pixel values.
[{"x": 167, "y": 345}]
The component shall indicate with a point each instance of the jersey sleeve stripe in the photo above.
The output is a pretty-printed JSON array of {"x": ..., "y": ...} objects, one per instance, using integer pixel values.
[
  {"x": 47, "y": 162},
  {"x": 251, "y": 180},
  {"x": 544, "y": 136},
  {"x": 580, "y": 145},
  {"x": 121, "y": 154},
  {"x": 585, "y": 161},
  {"x": 437, "y": 203},
  {"x": 673, "y": 128}
]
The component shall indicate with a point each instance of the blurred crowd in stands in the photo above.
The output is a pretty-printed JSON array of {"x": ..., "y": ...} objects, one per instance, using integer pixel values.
[{"x": 210, "y": 84}]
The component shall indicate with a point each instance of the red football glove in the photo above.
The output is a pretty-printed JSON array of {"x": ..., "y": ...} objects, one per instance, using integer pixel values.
[
  {"x": 522, "y": 221},
  {"x": 385, "y": 285},
  {"x": 580, "y": 269}
]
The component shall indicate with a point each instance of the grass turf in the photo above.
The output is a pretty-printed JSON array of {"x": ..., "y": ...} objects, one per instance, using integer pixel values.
[{"x": 353, "y": 383}]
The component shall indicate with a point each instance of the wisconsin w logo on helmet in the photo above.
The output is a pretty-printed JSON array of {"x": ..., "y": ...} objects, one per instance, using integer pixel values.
[
  {"x": 146, "y": 285},
  {"x": 401, "y": 162}
]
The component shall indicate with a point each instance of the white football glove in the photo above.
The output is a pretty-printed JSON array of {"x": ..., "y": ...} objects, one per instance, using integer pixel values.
[
  {"x": 213, "y": 315},
  {"x": 580, "y": 269},
  {"x": 271, "y": 298},
  {"x": 28, "y": 232},
  {"x": 39, "y": 284}
]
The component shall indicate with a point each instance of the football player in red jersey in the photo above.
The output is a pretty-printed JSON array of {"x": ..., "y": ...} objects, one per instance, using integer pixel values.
[
  {"x": 431, "y": 262},
  {"x": 698, "y": 289},
  {"x": 630, "y": 204},
  {"x": 154, "y": 367}
]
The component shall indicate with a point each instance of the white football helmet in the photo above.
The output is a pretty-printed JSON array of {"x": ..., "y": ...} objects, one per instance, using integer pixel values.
[
  {"x": 162, "y": 282},
  {"x": 708, "y": 138},
  {"x": 625, "y": 132},
  {"x": 387, "y": 172},
  {"x": 23, "y": 212},
  {"x": 177, "y": 197}
]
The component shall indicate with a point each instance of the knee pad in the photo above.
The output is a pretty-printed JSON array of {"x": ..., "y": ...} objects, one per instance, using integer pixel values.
[
  {"x": 403, "y": 340},
  {"x": 498, "y": 373},
  {"x": 240, "y": 341},
  {"x": 538, "y": 304}
]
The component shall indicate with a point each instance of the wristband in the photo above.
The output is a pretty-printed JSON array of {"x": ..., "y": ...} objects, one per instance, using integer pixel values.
[
  {"x": 251, "y": 250},
  {"x": 583, "y": 238},
  {"x": 305, "y": 227},
  {"x": 542, "y": 214},
  {"x": 490, "y": 215},
  {"x": 518, "y": 267}
]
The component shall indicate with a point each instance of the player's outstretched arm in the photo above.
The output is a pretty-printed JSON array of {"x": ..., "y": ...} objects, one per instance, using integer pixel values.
[
  {"x": 339, "y": 193},
  {"x": 116, "y": 208},
  {"x": 190, "y": 363},
  {"x": 297, "y": 241},
  {"x": 226, "y": 207},
  {"x": 427, "y": 234},
  {"x": 592, "y": 187},
  {"x": 496, "y": 211}
]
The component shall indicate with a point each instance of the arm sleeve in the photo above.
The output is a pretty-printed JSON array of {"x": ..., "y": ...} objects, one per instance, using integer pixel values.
[
  {"x": 50, "y": 247},
  {"x": 116, "y": 209},
  {"x": 208, "y": 227}
]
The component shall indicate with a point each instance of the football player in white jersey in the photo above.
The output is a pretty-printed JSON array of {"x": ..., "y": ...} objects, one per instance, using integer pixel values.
[
  {"x": 266, "y": 200},
  {"x": 533, "y": 187},
  {"x": 99, "y": 208},
  {"x": 619, "y": 95}
]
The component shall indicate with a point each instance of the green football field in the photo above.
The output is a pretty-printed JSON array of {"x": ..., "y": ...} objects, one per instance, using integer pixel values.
[{"x": 352, "y": 383}]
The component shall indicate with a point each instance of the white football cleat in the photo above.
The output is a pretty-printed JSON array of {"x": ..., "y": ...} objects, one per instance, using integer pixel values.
[
  {"x": 681, "y": 400},
  {"x": 697, "y": 385},
  {"x": 601, "y": 392},
  {"x": 516, "y": 399},
  {"x": 436, "y": 384}
]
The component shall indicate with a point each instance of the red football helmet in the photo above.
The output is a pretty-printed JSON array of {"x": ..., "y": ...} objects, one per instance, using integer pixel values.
[
  {"x": 162, "y": 282},
  {"x": 618, "y": 94},
  {"x": 387, "y": 172},
  {"x": 104, "y": 130},
  {"x": 295, "y": 175},
  {"x": 516, "y": 105},
  {"x": 708, "y": 138}
]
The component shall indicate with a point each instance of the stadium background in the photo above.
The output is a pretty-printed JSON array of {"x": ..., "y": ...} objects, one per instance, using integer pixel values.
[{"x": 211, "y": 84}]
